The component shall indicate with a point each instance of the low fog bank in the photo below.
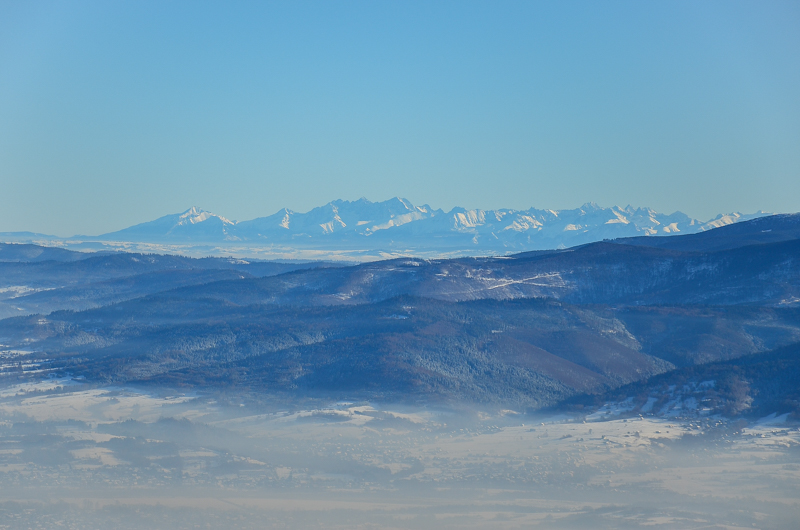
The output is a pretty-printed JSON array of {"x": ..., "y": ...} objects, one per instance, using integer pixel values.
[{"x": 75, "y": 456}]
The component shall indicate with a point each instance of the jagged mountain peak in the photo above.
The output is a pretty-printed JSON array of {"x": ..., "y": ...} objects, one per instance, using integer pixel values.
[{"x": 196, "y": 215}]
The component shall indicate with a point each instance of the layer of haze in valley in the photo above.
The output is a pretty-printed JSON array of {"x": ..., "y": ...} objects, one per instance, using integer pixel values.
[{"x": 74, "y": 455}]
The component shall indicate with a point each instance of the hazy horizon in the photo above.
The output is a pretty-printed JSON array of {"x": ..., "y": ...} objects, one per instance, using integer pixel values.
[
  {"x": 114, "y": 114},
  {"x": 116, "y": 226}
]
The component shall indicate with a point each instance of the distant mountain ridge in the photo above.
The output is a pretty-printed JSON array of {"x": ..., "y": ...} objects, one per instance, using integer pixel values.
[
  {"x": 398, "y": 224},
  {"x": 357, "y": 231}
]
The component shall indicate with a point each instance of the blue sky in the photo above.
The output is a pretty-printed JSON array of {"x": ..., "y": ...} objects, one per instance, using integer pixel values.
[{"x": 113, "y": 113}]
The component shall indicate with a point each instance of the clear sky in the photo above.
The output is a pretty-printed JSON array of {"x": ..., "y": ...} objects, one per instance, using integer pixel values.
[{"x": 114, "y": 113}]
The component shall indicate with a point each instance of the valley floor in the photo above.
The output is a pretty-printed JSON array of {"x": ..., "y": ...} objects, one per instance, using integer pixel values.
[{"x": 72, "y": 456}]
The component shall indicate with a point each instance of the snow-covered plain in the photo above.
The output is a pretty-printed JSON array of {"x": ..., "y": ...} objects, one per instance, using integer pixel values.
[{"x": 78, "y": 456}]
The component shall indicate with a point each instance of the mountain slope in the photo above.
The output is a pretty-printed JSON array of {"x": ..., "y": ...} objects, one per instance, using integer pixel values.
[
  {"x": 194, "y": 224},
  {"x": 529, "y": 352},
  {"x": 21, "y": 252},
  {"x": 755, "y": 385},
  {"x": 768, "y": 229},
  {"x": 598, "y": 273},
  {"x": 526, "y": 352},
  {"x": 84, "y": 280}
]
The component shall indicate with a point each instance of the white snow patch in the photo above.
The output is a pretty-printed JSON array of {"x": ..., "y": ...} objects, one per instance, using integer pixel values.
[
  {"x": 41, "y": 386},
  {"x": 647, "y": 407},
  {"x": 773, "y": 419}
]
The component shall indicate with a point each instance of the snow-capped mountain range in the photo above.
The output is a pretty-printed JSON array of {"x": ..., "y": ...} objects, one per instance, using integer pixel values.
[{"x": 397, "y": 225}]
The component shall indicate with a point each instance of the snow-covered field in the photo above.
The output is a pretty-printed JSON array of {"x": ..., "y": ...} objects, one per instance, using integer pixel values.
[{"x": 74, "y": 456}]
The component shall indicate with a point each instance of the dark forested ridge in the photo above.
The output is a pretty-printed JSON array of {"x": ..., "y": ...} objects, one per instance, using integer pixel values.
[
  {"x": 530, "y": 330},
  {"x": 20, "y": 252},
  {"x": 759, "y": 384},
  {"x": 77, "y": 280}
]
